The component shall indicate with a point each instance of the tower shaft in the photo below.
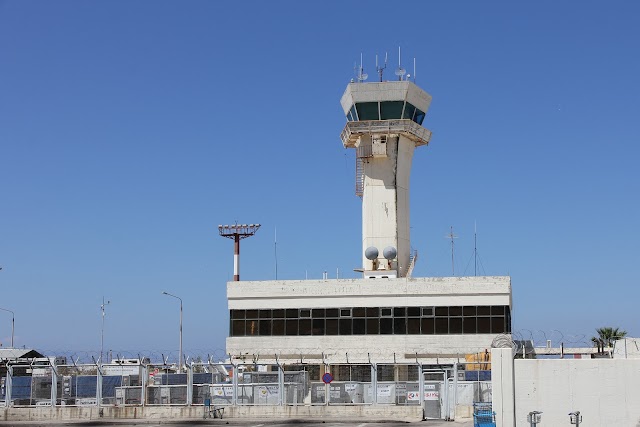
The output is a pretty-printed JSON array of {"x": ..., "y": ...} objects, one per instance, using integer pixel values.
[
  {"x": 385, "y": 201},
  {"x": 384, "y": 125}
]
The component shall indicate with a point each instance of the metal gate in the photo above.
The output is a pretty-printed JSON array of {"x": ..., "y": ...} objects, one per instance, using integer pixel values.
[{"x": 436, "y": 394}]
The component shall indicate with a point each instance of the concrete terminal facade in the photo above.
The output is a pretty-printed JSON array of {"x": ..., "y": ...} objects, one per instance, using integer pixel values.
[{"x": 387, "y": 319}]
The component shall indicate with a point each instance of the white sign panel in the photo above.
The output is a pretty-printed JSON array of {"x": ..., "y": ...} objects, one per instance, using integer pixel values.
[
  {"x": 431, "y": 395},
  {"x": 384, "y": 390}
]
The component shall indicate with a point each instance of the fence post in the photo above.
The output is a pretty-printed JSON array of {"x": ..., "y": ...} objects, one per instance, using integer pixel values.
[
  {"x": 54, "y": 385},
  {"x": 31, "y": 397},
  {"x": 280, "y": 384},
  {"x": 98, "y": 385},
  {"x": 455, "y": 388},
  {"x": 421, "y": 386},
  {"x": 374, "y": 383},
  {"x": 144, "y": 377},
  {"x": 234, "y": 382},
  {"x": 189, "y": 383},
  {"x": 327, "y": 368},
  {"x": 8, "y": 386}
]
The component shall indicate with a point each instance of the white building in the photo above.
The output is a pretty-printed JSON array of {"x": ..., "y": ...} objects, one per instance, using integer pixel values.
[{"x": 386, "y": 315}]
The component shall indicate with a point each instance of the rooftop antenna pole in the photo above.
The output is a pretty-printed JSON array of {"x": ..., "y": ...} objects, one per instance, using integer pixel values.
[
  {"x": 237, "y": 232},
  {"x": 400, "y": 72},
  {"x": 414, "y": 69},
  {"x": 275, "y": 249},
  {"x": 102, "y": 306},
  {"x": 362, "y": 76},
  {"x": 380, "y": 70},
  {"x": 475, "y": 248},
  {"x": 452, "y": 236}
]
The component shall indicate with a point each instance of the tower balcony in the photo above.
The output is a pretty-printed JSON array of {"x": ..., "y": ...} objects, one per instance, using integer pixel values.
[{"x": 353, "y": 130}]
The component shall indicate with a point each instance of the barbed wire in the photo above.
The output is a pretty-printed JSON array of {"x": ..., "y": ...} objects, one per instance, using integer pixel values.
[
  {"x": 523, "y": 338},
  {"x": 555, "y": 338}
]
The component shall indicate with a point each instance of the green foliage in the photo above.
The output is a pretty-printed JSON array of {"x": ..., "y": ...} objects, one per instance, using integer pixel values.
[{"x": 607, "y": 335}]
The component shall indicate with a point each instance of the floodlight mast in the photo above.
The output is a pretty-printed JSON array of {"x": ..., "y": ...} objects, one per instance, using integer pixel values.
[{"x": 237, "y": 232}]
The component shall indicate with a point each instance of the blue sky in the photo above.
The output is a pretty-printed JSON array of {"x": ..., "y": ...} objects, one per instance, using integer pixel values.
[{"x": 130, "y": 130}]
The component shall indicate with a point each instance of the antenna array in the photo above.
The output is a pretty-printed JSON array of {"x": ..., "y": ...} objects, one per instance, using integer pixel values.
[{"x": 401, "y": 72}]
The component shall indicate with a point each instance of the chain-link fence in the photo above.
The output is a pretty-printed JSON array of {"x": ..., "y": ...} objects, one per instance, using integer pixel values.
[{"x": 440, "y": 389}]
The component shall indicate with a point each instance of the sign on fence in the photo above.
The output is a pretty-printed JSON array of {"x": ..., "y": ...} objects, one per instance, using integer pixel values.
[{"x": 428, "y": 395}]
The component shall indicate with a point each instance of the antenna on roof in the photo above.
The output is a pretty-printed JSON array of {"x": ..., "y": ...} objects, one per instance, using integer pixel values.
[
  {"x": 452, "y": 236},
  {"x": 475, "y": 248},
  {"x": 414, "y": 69},
  {"x": 380, "y": 70},
  {"x": 361, "y": 75},
  {"x": 400, "y": 72}
]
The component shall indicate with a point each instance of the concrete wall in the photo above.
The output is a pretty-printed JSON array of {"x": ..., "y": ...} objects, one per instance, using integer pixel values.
[
  {"x": 401, "y": 292},
  {"x": 374, "y": 413},
  {"x": 605, "y": 391},
  {"x": 626, "y": 348},
  {"x": 381, "y": 348}
]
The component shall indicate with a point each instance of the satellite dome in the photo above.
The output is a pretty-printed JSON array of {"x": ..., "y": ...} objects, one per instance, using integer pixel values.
[
  {"x": 390, "y": 252},
  {"x": 371, "y": 253}
]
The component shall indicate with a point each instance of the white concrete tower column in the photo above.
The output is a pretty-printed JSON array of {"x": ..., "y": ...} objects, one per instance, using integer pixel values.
[{"x": 384, "y": 125}]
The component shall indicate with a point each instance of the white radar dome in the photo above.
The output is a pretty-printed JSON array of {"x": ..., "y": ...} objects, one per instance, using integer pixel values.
[
  {"x": 390, "y": 252},
  {"x": 371, "y": 253}
]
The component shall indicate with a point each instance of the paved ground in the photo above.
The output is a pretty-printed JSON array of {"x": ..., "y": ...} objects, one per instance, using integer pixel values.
[{"x": 256, "y": 423}]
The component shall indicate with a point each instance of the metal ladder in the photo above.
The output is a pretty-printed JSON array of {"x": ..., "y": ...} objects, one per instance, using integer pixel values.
[
  {"x": 359, "y": 176},
  {"x": 412, "y": 262}
]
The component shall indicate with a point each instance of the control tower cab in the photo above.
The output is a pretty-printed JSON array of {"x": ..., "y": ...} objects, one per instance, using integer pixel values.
[{"x": 384, "y": 125}]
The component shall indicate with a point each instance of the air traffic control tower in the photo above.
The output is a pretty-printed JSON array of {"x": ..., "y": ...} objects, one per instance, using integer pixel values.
[
  {"x": 385, "y": 127},
  {"x": 387, "y": 315}
]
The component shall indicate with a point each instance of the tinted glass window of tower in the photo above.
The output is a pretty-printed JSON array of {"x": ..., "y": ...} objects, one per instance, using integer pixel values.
[
  {"x": 452, "y": 320},
  {"x": 388, "y": 110}
]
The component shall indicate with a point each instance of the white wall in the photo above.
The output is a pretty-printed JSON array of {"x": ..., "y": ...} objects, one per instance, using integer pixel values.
[
  {"x": 358, "y": 348},
  {"x": 605, "y": 391},
  {"x": 401, "y": 292}
]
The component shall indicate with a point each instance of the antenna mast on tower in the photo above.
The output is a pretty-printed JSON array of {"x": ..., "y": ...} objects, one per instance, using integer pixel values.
[
  {"x": 475, "y": 248},
  {"x": 380, "y": 70},
  {"x": 452, "y": 236},
  {"x": 400, "y": 72},
  {"x": 360, "y": 74}
]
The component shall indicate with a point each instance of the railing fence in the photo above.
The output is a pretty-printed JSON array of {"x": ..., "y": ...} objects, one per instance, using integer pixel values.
[{"x": 438, "y": 389}]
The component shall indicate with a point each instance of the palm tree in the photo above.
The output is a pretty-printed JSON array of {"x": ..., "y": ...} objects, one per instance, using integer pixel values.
[
  {"x": 597, "y": 343},
  {"x": 607, "y": 336}
]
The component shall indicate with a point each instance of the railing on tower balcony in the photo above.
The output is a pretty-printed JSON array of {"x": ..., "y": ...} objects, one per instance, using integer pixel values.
[{"x": 353, "y": 130}]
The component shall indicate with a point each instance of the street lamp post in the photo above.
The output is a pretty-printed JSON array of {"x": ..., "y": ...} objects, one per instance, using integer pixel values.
[
  {"x": 102, "y": 329},
  {"x": 13, "y": 323},
  {"x": 180, "y": 355}
]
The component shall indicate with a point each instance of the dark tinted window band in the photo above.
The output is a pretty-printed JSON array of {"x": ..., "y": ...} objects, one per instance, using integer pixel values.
[{"x": 452, "y": 320}]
